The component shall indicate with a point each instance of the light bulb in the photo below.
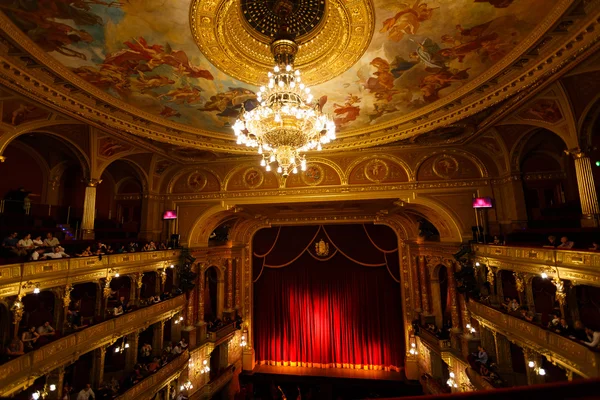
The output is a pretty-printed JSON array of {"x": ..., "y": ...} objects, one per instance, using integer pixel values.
[
  {"x": 269, "y": 74},
  {"x": 297, "y": 73},
  {"x": 117, "y": 349},
  {"x": 263, "y": 162},
  {"x": 52, "y": 387},
  {"x": 262, "y": 88},
  {"x": 36, "y": 290},
  {"x": 259, "y": 149},
  {"x": 468, "y": 326},
  {"x": 204, "y": 362},
  {"x": 35, "y": 395},
  {"x": 319, "y": 148},
  {"x": 272, "y": 158},
  {"x": 542, "y": 372},
  {"x": 279, "y": 170},
  {"x": 451, "y": 374},
  {"x": 126, "y": 345},
  {"x": 413, "y": 345},
  {"x": 182, "y": 387},
  {"x": 531, "y": 364},
  {"x": 288, "y": 68},
  {"x": 117, "y": 275},
  {"x": 295, "y": 170},
  {"x": 292, "y": 84},
  {"x": 477, "y": 264},
  {"x": 268, "y": 168},
  {"x": 171, "y": 266},
  {"x": 302, "y": 86},
  {"x": 280, "y": 84},
  {"x": 276, "y": 69},
  {"x": 544, "y": 275}
]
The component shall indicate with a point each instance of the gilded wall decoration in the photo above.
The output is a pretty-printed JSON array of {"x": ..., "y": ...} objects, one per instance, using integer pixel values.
[
  {"x": 196, "y": 181},
  {"x": 401, "y": 57},
  {"x": 16, "y": 112},
  {"x": 313, "y": 175},
  {"x": 253, "y": 178},
  {"x": 445, "y": 166},
  {"x": 376, "y": 171}
]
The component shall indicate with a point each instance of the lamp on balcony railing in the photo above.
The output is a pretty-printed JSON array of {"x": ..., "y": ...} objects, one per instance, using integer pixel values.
[
  {"x": 451, "y": 382},
  {"x": 243, "y": 342},
  {"x": 186, "y": 386},
  {"x": 179, "y": 319},
  {"x": 32, "y": 285},
  {"x": 413, "y": 346},
  {"x": 470, "y": 328},
  {"x": 124, "y": 346},
  {"x": 538, "y": 370}
]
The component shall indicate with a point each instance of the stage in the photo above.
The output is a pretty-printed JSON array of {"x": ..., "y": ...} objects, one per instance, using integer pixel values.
[{"x": 344, "y": 373}]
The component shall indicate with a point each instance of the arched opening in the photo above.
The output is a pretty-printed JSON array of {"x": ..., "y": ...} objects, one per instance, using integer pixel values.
[
  {"x": 549, "y": 182},
  {"x": 588, "y": 300},
  {"x": 509, "y": 286},
  {"x": 544, "y": 294},
  {"x": 149, "y": 282},
  {"x": 83, "y": 306},
  {"x": 211, "y": 296},
  {"x": 5, "y": 328},
  {"x": 39, "y": 308}
]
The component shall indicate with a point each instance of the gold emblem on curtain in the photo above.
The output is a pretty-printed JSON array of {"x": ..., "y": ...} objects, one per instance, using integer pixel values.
[{"x": 322, "y": 248}]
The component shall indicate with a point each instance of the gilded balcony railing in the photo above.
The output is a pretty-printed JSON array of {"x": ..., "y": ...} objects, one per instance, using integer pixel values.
[
  {"x": 221, "y": 333},
  {"x": 60, "y": 272},
  {"x": 571, "y": 354},
  {"x": 577, "y": 265},
  {"x": 150, "y": 385},
  {"x": 21, "y": 371}
]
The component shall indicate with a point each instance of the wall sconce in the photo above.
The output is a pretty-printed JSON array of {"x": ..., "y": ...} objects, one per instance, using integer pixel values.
[
  {"x": 451, "y": 382},
  {"x": 178, "y": 320},
  {"x": 470, "y": 329},
  {"x": 205, "y": 368},
  {"x": 186, "y": 386},
  {"x": 477, "y": 264},
  {"x": 538, "y": 370},
  {"x": 172, "y": 266},
  {"x": 243, "y": 342},
  {"x": 114, "y": 271},
  {"x": 413, "y": 349},
  {"x": 122, "y": 348},
  {"x": 34, "y": 285}
]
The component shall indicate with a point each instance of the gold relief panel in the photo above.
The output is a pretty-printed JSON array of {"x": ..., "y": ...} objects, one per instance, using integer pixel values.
[
  {"x": 196, "y": 181},
  {"x": 252, "y": 178},
  {"x": 377, "y": 170},
  {"x": 446, "y": 166}
]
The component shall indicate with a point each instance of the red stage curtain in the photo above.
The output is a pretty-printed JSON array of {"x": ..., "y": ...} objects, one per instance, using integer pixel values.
[{"x": 341, "y": 310}]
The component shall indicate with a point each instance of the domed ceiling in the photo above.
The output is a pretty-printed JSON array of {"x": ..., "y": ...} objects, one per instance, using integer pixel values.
[{"x": 196, "y": 62}]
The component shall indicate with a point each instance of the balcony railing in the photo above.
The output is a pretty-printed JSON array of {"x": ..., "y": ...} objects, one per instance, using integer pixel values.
[
  {"x": 18, "y": 372},
  {"x": 579, "y": 265},
  {"x": 570, "y": 354},
  {"x": 153, "y": 383},
  {"x": 59, "y": 272},
  {"x": 222, "y": 332},
  {"x": 434, "y": 342}
]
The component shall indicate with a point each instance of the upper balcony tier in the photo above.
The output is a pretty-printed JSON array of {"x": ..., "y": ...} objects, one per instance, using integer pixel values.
[
  {"x": 575, "y": 265},
  {"x": 59, "y": 272}
]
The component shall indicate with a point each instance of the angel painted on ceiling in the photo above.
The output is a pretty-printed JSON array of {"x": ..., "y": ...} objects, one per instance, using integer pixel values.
[{"x": 407, "y": 20}]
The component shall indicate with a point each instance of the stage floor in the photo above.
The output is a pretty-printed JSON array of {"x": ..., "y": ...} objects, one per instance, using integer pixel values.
[{"x": 343, "y": 373}]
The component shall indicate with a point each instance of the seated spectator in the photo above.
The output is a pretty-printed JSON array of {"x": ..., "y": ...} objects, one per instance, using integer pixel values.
[
  {"x": 154, "y": 300},
  {"x": 551, "y": 242},
  {"x": 124, "y": 304},
  {"x": 595, "y": 247},
  {"x": 136, "y": 376},
  {"x": 29, "y": 337},
  {"x": 38, "y": 254},
  {"x": 554, "y": 321},
  {"x": 146, "y": 352},
  {"x": 51, "y": 241},
  {"x": 497, "y": 241},
  {"x": 24, "y": 245},
  {"x": 118, "y": 310},
  {"x": 183, "y": 344},
  {"x": 162, "y": 246},
  {"x": 514, "y": 306},
  {"x": 132, "y": 247},
  {"x": 46, "y": 330},
  {"x": 121, "y": 249},
  {"x": 565, "y": 243},
  {"x": 507, "y": 303},
  {"x": 168, "y": 348},
  {"x": 527, "y": 315},
  {"x": 10, "y": 243},
  {"x": 154, "y": 365},
  {"x": 38, "y": 242},
  {"x": 67, "y": 390},
  {"x": 151, "y": 246},
  {"x": 563, "y": 328},
  {"x": 86, "y": 393},
  {"x": 593, "y": 338},
  {"x": 177, "y": 349},
  {"x": 100, "y": 247},
  {"x": 578, "y": 332},
  {"x": 74, "y": 319},
  {"x": 58, "y": 252},
  {"x": 15, "y": 348},
  {"x": 109, "y": 249},
  {"x": 164, "y": 359},
  {"x": 85, "y": 253}
]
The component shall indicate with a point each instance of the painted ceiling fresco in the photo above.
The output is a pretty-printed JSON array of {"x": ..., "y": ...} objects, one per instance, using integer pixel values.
[{"x": 143, "y": 52}]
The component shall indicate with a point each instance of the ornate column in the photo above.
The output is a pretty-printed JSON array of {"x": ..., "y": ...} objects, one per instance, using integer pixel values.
[
  {"x": 158, "y": 333},
  {"x": 424, "y": 285},
  {"x": 238, "y": 284},
  {"x": 59, "y": 315},
  {"x": 520, "y": 284},
  {"x": 98, "y": 365},
  {"x": 17, "y": 310},
  {"x": 416, "y": 287},
  {"x": 136, "y": 285},
  {"x": 101, "y": 301},
  {"x": 66, "y": 302},
  {"x": 132, "y": 352},
  {"x": 587, "y": 189},
  {"x": 455, "y": 315},
  {"x": 57, "y": 378},
  {"x": 530, "y": 301},
  {"x": 89, "y": 209},
  {"x": 229, "y": 303},
  {"x": 220, "y": 295}
]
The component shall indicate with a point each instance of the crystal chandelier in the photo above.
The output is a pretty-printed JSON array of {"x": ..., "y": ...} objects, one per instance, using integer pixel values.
[{"x": 286, "y": 123}]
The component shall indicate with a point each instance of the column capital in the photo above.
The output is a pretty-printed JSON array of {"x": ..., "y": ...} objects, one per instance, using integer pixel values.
[
  {"x": 576, "y": 153},
  {"x": 92, "y": 182}
]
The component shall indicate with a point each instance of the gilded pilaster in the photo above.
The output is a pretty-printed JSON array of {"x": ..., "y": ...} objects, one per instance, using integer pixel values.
[
  {"x": 454, "y": 312},
  {"x": 533, "y": 362},
  {"x": 229, "y": 305},
  {"x": 89, "y": 209},
  {"x": 238, "y": 283},
  {"x": 57, "y": 378},
  {"x": 416, "y": 287},
  {"x": 529, "y": 293},
  {"x": 201, "y": 293},
  {"x": 158, "y": 333},
  {"x": 587, "y": 189},
  {"x": 132, "y": 352},
  {"x": 98, "y": 365},
  {"x": 424, "y": 285}
]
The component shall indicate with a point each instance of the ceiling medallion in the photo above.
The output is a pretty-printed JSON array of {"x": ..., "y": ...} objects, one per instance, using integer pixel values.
[
  {"x": 235, "y": 36},
  {"x": 313, "y": 175},
  {"x": 286, "y": 123},
  {"x": 376, "y": 171},
  {"x": 445, "y": 166}
]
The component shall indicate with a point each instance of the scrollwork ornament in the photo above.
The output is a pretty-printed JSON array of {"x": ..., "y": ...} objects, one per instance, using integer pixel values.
[
  {"x": 519, "y": 282},
  {"x": 67, "y": 295},
  {"x": 491, "y": 275},
  {"x": 561, "y": 296}
]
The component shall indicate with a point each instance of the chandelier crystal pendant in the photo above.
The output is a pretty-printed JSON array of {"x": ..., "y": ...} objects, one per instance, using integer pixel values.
[{"x": 286, "y": 123}]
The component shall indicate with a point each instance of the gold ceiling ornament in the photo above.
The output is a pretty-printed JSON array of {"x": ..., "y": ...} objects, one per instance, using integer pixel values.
[
  {"x": 286, "y": 123},
  {"x": 330, "y": 42}
]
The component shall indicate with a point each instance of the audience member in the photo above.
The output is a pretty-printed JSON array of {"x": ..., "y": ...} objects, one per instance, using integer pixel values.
[
  {"x": 565, "y": 243},
  {"x": 121, "y": 249},
  {"x": 58, "y": 252},
  {"x": 29, "y": 337},
  {"x": 51, "y": 241},
  {"x": 67, "y": 390},
  {"x": 578, "y": 332},
  {"x": 15, "y": 348},
  {"x": 154, "y": 365},
  {"x": 551, "y": 242},
  {"x": 527, "y": 315},
  {"x": 10, "y": 243},
  {"x": 46, "y": 330},
  {"x": 514, "y": 305},
  {"x": 38, "y": 254},
  {"x": 177, "y": 349},
  {"x": 118, "y": 310},
  {"x": 183, "y": 344},
  {"x": 109, "y": 249},
  {"x": 24, "y": 245},
  {"x": 595, "y": 246},
  {"x": 554, "y": 321},
  {"x": 593, "y": 338},
  {"x": 507, "y": 303},
  {"x": 481, "y": 355},
  {"x": 86, "y": 393},
  {"x": 146, "y": 353},
  {"x": 38, "y": 242},
  {"x": 85, "y": 253},
  {"x": 563, "y": 328}
]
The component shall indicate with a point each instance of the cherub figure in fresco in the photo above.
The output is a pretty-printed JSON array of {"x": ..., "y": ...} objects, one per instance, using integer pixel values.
[
  {"x": 497, "y": 3},
  {"x": 459, "y": 52},
  {"x": 475, "y": 39},
  {"x": 382, "y": 85},
  {"x": 432, "y": 84},
  {"x": 229, "y": 103},
  {"x": 145, "y": 84},
  {"x": 347, "y": 112},
  {"x": 428, "y": 53},
  {"x": 186, "y": 94},
  {"x": 108, "y": 76},
  {"x": 407, "y": 20},
  {"x": 169, "y": 112},
  {"x": 20, "y": 113}
]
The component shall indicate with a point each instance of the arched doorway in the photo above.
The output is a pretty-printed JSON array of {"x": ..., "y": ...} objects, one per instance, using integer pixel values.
[{"x": 211, "y": 296}]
